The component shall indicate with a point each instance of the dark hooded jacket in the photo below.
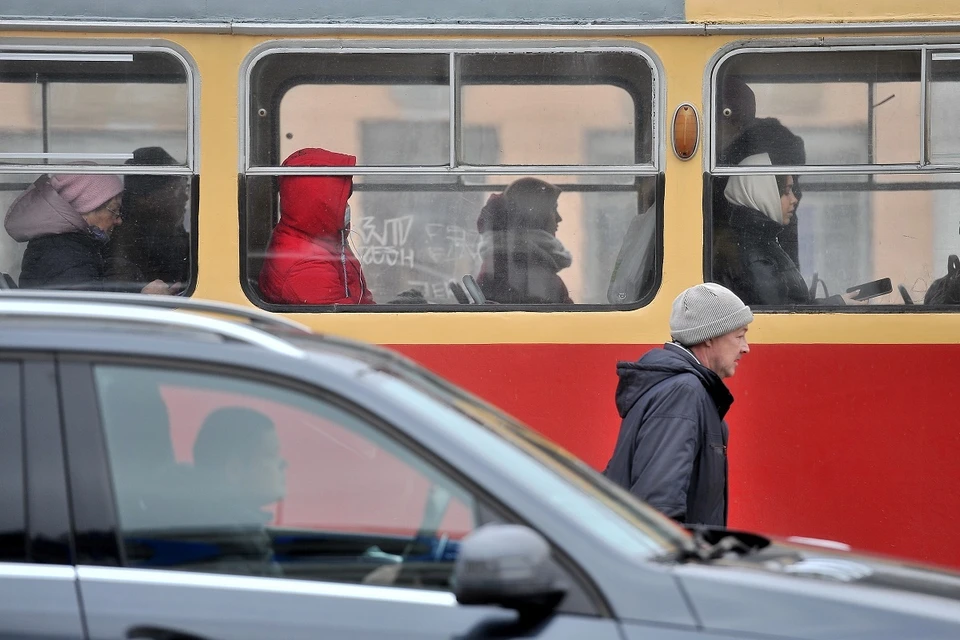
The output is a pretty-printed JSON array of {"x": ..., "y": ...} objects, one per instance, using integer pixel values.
[
  {"x": 672, "y": 448},
  {"x": 749, "y": 259},
  {"x": 152, "y": 243},
  {"x": 765, "y": 135},
  {"x": 521, "y": 255},
  {"x": 309, "y": 260}
]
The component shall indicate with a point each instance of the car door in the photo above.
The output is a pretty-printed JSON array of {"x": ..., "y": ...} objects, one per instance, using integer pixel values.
[
  {"x": 38, "y": 590},
  {"x": 246, "y": 508}
]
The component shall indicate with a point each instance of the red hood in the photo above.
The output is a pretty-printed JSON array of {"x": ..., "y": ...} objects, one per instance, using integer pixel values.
[{"x": 315, "y": 205}]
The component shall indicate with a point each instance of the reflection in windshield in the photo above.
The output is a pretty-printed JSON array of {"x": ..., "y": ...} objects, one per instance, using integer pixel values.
[{"x": 564, "y": 480}]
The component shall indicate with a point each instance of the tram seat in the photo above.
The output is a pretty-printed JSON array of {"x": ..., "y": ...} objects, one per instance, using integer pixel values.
[
  {"x": 907, "y": 298},
  {"x": 473, "y": 289},
  {"x": 458, "y": 292}
]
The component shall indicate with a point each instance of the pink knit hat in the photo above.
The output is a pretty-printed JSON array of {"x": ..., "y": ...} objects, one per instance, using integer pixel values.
[{"x": 85, "y": 193}]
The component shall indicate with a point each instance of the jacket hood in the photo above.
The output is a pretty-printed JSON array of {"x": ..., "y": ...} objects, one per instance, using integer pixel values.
[
  {"x": 637, "y": 378},
  {"x": 315, "y": 205},
  {"x": 41, "y": 211},
  {"x": 766, "y": 135}
]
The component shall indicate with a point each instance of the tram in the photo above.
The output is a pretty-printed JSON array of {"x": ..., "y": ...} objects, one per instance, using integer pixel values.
[{"x": 845, "y": 422}]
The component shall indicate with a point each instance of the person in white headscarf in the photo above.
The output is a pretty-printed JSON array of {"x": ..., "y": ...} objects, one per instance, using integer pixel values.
[{"x": 748, "y": 257}]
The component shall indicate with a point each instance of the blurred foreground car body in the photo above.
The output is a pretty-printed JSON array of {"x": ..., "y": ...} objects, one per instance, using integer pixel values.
[{"x": 410, "y": 509}]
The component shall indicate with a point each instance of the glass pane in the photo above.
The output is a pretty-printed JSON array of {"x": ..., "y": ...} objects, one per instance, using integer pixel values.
[
  {"x": 846, "y": 231},
  {"x": 98, "y": 232},
  {"x": 337, "y": 102},
  {"x": 944, "y": 101},
  {"x": 96, "y": 111},
  {"x": 526, "y": 240},
  {"x": 225, "y": 475},
  {"x": 852, "y": 107},
  {"x": 544, "y": 107}
]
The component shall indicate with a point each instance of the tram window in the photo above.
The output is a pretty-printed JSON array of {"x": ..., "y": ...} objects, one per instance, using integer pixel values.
[
  {"x": 322, "y": 100},
  {"x": 110, "y": 107},
  {"x": 414, "y": 237},
  {"x": 419, "y": 228},
  {"x": 87, "y": 106},
  {"x": 944, "y": 101},
  {"x": 871, "y": 98},
  {"x": 811, "y": 238},
  {"x": 546, "y": 122}
]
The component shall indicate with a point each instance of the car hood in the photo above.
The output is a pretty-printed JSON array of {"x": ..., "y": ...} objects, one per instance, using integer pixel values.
[
  {"x": 811, "y": 560},
  {"x": 794, "y": 590}
]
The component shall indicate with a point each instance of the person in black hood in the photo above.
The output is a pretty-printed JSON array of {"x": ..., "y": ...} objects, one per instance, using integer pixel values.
[
  {"x": 671, "y": 451},
  {"x": 770, "y": 136},
  {"x": 747, "y": 255}
]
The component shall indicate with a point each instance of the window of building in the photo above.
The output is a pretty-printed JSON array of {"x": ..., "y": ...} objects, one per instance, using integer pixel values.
[
  {"x": 863, "y": 211},
  {"x": 100, "y": 142},
  {"x": 520, "y": 170}
]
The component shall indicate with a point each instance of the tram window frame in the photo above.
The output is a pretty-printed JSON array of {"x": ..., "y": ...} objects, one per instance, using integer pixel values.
[
  {"x": 868, "y": 177},
  {"x": 120, "y": 62},
  {"x": 259, "y": 205}
]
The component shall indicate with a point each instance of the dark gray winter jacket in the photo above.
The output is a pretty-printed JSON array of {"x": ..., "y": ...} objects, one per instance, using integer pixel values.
[{"x": 672, "y": 447}]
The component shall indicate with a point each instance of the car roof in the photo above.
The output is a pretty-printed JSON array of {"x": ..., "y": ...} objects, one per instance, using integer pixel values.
[{"x": 188, "y": 319}]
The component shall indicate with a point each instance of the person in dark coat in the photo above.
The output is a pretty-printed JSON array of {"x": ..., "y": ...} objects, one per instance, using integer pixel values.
[
  {"x": 152, "y": 244},
  {"x": 521, "y": 255},
  {"x": 66, "y": 221},
  {"x": 237, "y": 461},
  {"x": 748, "y": 257},
  {"x": 671, "y": 451},
  {"x": 763, "y": 135}
]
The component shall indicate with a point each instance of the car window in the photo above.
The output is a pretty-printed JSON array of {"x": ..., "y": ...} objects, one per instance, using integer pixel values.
[
  {"x": 13, "y": 514},
  {"x": 227, "y": 475}
]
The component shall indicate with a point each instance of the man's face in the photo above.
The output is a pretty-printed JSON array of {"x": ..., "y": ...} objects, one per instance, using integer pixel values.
[
  {"x": 262, "y": 477},
  {"x": 725, "y": 352}
]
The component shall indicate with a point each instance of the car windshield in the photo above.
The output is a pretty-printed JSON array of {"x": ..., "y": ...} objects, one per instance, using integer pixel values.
[{"x": 564, "y": 481}]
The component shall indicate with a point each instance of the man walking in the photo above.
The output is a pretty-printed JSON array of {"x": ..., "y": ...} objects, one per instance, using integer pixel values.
[{"x": 672, "y": 447}]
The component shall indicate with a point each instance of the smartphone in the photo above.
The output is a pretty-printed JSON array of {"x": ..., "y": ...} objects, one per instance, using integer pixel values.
[{"x": 871, "y": 289}]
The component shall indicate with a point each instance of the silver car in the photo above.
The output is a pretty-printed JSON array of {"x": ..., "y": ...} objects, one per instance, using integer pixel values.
[{"x": 178, "y": 469}]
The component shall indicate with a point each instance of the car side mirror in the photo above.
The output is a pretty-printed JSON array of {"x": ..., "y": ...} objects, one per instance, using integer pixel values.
[{"x": 510, "y": 566}]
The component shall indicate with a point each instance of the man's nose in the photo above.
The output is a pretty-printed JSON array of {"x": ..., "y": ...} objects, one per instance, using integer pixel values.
[{"x": 745, "y": 348}]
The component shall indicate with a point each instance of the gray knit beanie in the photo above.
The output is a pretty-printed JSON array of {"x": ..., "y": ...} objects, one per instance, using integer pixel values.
[{"x": 706, "y": 311}]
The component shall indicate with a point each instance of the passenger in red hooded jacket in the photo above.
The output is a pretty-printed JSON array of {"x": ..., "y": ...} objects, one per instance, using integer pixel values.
[{"x": 309, "y": 260}]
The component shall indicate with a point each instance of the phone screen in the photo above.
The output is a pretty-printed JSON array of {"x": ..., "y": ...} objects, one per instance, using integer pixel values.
[{"x": 871, "y": 289}]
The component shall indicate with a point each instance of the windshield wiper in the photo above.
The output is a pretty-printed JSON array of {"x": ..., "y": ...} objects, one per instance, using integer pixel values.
[{"x": 711, "y": 544}]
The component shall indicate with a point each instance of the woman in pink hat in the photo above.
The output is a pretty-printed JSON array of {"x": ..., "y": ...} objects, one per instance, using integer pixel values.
[{"x": 66, "y": 221}]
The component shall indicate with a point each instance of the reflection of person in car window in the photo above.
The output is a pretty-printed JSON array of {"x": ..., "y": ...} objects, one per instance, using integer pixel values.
[
  {"x": 237, "y": 459},
  {"x": 240, "y": 447},
  {"x": 519, "y": 247}
]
